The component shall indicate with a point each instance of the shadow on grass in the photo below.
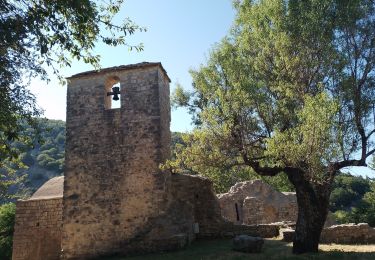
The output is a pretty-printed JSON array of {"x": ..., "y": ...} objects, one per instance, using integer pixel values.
[{"x": 221, "y": 249}]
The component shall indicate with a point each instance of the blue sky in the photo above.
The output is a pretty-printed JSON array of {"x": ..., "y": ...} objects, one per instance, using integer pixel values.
[{"x": 179, "y": 34}]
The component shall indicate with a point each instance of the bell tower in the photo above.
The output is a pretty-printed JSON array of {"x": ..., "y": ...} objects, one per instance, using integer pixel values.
[{"x": 113, "y": 186}]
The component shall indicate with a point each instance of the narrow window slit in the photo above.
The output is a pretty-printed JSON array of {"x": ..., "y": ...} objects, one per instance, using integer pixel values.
[{"x": 237, "y": 213}]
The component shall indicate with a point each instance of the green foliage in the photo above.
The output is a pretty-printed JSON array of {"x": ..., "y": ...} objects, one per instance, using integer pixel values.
[
  {"x": 315, "y": 128},
  {"x": 342, "y": 198},
  {"x": 41, "y": 161},
  {"x": 342, "y": 217},
  {"x": 179, "y": 97},
  {"x": 9, "y": 177},
  {"x": 289, "y": 91},
  {"x": 369, "y": 206},
  {"x": 7, "y": 218},
  {"x": 280, "y": 94},
  {"x": 190, "y": 159},
  {"x": 353, "y": 199},
  {"x": 347, "y": 191},
  {"x": 41, "y": 33}
]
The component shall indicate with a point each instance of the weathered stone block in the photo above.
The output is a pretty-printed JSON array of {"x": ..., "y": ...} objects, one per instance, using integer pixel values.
[
  {"x": 248, "y": 244},
  {"x": 287, "y": 234}
]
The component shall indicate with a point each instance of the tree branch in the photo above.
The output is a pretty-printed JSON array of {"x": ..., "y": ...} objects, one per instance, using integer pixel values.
[
  {"x": 369, "y": 134},
  {"x": 269, "y": 171},
  {"x": 346, "y": 163}
]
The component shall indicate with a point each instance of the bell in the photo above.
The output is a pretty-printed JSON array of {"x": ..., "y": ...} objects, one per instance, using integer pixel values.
[{"x": 115, "y": 92}]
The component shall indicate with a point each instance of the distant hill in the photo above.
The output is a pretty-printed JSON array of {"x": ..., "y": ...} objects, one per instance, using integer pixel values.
[{"x": 44, "y": 159}]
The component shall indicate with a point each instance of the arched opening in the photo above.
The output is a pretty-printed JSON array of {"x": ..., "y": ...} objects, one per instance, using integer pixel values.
[{"x": 112, "y": 96}]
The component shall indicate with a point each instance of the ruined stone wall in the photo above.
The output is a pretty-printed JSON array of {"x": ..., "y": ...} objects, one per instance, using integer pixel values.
[
  {"x": 348, "y": 234},
  {"x": 113, "y": 187},
  {"x": 256, "y": 202},
  {"x": 195, "y": 202},
  {"x": 37, "y": 231},
  {"x": 253, "y": 211},
  {"x": 195, "y": 194},
  {"x": 351, "y": 233}
]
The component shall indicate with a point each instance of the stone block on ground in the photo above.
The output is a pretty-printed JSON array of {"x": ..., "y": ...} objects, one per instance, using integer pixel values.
[
  {"x": 179, "y": 241},
  {"x": 248, "y": 244},
  {"x": 287, "y": 234}
]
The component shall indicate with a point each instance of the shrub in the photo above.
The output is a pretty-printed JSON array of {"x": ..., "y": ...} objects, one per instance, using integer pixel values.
[
  {"x": 343, "y": 217},
  {"x": 7, "y": 217}
]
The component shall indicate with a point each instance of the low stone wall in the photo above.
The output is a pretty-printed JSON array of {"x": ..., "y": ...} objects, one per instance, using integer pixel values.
[
  {"x": 339, "y": 234},
  {"x": 37, "y": 231},
  {"x": 261, "y": 230},
  {"x": 361, "y": 233}
]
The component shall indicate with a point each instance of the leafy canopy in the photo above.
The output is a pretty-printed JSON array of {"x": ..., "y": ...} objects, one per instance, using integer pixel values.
[{"x": 290, "y": 89}]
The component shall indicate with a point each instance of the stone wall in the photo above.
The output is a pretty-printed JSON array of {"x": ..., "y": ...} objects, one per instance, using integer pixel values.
[
  {"x": 256, "y": 202},
  {"x": 113, "y": 187},
  {"x": 194, "y": 196},
  {"x": 351, "y": 233},
  {"x": 348, "y": 234},
  {"x": 37, "y": 231},
  {"x": 192, "y": 212}
]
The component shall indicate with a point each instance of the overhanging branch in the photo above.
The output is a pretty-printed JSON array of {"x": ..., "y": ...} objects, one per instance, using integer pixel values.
[
  {"x": 268, "y": 171},
  {"x": 346, "y": 163}
]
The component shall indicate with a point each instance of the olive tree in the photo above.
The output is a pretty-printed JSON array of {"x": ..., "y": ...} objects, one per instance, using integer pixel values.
[{"x": 289, "y": 91}]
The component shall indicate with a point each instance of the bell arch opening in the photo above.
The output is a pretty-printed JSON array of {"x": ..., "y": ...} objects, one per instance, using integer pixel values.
[{"x": 112, "y": 95}]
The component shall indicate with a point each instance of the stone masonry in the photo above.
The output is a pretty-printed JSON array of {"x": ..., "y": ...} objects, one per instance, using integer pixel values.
[
  {"x": 114, "y": 198},
  {"x": 113, "y": 187},
  {"x": 361, "y": 233},
  {"x": 37, "y": 231},
  {"x": 194, "y": 212},
  {"x": 255, "y": 202},
  {"x": 350, "y": 233}
]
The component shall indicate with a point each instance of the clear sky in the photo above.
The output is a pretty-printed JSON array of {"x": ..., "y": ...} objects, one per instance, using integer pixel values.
[{"x": 179, "y": 34}]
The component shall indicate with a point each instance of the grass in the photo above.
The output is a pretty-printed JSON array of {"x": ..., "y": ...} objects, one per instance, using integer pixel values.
[{"x": 272, "y": 249}]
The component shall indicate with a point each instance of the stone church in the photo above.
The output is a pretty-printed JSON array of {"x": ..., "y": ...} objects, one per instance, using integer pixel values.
[{"x": 114, "y": 199}]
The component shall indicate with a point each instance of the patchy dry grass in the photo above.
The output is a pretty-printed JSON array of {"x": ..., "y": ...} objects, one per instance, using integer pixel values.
[
  {"x": 273, "y": 249},
  {"x": 348, "y": 248}
]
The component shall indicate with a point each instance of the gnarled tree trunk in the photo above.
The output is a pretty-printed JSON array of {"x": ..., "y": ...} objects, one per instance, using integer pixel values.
[{"x": 313, "y": 201}]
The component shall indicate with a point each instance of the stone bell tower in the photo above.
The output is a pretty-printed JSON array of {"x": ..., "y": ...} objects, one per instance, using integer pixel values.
[{"x": 113, "y": 186}]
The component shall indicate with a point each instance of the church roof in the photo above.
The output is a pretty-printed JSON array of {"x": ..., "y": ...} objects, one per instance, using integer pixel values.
[
  {"x": 122, "y": 67},
  {"x": 51, "y": 189}
]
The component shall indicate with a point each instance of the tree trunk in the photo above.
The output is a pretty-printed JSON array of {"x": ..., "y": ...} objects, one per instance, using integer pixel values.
[{"x": 313, "y": 201}]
